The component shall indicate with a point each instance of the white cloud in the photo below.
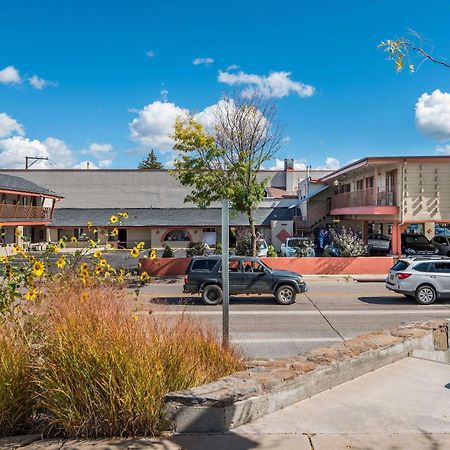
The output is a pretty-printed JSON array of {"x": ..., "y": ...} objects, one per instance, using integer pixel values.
[
  {"x": 275, "y": 85},
  {"x": 14, "y": 149},
  {"x": 150, "y": 54},
  {"x": 153, "y": 128},
  {"x": 10, "y": 75},
  {"x": 330, "y": 164},
  {"x": 104, "y": 163},
  {"x": 299, "y": 164},
  {"x": 9, "y": 126},
  {"x": 85, "y": 165},
  {"x": 99, "y": 150},
  {"x": 233, "y": 67},
  {"x": 444, "y": 149},
  {"x": 40, "y": 83},
  {"x": 204, "y": 61},
  {"x": 433, "y": 115}
]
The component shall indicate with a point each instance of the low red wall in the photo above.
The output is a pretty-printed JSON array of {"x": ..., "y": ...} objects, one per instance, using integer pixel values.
[{"x": 167, "y": 267}]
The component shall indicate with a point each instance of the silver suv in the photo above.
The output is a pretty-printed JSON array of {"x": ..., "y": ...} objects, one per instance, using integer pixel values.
[{"x": 424, "y": 278}]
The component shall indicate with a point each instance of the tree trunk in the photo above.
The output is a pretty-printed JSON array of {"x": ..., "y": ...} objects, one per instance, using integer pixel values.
[{"x": 251, "y": 222}]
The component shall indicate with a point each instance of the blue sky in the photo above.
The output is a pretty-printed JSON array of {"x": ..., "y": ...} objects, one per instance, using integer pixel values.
[{"x": 99, "y": 65}]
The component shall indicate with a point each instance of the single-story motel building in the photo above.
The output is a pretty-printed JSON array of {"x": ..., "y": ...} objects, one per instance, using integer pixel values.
[{"x": 375, "y": 195}]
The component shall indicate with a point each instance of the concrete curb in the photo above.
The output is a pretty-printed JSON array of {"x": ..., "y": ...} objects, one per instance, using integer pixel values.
[{"x": 269, "y": 385}]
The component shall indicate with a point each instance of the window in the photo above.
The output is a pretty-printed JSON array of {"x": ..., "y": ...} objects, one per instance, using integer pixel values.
[
  {"x": 369, "y": 182},
  {"x": 418, "y": 239},
  {"x": 360, "y": 185},
  {"x": 253, "y": 266},
  {"x": 177, "y": 235},
  {"x": 424, "y": 267},
  {"x": 442, "y": 267},
  {"x": 204, "y": 265},
  {"x": 400, "y": 265},
  {"x": 234, "y": 265},
  {"x": 209, "y": 230}
]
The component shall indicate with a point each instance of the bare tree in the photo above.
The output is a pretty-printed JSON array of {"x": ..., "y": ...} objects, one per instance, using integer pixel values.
[{"x": 404, "y": 50}]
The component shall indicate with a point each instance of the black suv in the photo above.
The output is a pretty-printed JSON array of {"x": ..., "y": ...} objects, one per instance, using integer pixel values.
[
  {"x": 417, "y": 244},
  {"x": 247, "y": 276}
]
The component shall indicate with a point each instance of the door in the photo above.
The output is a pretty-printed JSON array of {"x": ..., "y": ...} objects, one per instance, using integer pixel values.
[
  {"x": 391, "y": 187},
  {"x": 236, "y": 277},
  {"x": 122, "y": 238},
  {"x": 256, "y": 279},
  {"x": 443, "y": 277}
]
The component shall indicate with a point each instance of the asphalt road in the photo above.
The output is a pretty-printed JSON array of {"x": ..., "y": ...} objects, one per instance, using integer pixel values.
[{"x": 332, "y": 310}]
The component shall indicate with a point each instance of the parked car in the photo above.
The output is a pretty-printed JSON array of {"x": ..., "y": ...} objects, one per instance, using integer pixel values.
[
  {"x": 442, "y": 243},
  {"x": 425, "y": 278},
  {"x": 379, "y": 244},
  {"x": 297, "y": 246},
  {"x": 417, "y": 244},
  {"x": 247, "y": 276},
  {"x": 441, "y": 231},
  {"x": 263, "y": 248}
]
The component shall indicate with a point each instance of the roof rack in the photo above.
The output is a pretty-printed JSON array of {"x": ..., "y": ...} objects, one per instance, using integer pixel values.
[{"x": 424, "y": 257}]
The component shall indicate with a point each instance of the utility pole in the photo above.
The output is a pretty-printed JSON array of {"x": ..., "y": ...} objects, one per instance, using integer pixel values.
[
  {"x": 225, "y": 273},
  {"x": 33, "y": 160}
]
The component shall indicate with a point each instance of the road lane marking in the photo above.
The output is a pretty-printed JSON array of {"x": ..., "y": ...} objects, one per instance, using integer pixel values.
[{"x": 369, "y": 312}]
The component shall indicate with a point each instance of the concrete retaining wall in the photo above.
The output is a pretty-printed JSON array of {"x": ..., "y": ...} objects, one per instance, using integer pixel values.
[
  {"x": 165, "y": 267},
  {"x": 269, "y": 385}
]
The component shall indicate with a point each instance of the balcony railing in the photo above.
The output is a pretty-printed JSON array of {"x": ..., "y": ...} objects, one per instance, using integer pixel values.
[
  {"x": 315, "y": 215},
  {"x": 364, "y": 197},
  {"x": 26, "y": 212}
]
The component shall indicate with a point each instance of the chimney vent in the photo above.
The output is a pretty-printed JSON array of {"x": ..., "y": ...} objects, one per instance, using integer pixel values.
[{"x": 288, "y": 164}]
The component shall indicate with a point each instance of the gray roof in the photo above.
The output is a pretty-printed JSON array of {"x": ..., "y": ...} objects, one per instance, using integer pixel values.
[
  {"x": 140, "y": 217},
  {"x": 13, "y": 183}
]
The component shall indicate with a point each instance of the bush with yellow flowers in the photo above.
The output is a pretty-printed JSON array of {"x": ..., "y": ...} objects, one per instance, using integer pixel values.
[{"x": 76, "y": 360}]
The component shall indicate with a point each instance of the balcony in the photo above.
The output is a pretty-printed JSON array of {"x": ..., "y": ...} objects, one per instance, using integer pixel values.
[
  {"x": 9, "y": 213},
  {"x": 365, "y": 201}
]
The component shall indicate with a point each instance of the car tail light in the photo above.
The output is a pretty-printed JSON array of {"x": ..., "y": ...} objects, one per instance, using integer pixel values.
[
  {"x": 402, "y": 276},
  {"x": 186, "y": 279}
]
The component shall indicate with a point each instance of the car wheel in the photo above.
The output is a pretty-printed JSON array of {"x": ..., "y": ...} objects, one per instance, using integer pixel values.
[
  {"x": 212, "y": 295},
  {"x": 425, "y": 295},
  {"x": 285, "y": 295}
]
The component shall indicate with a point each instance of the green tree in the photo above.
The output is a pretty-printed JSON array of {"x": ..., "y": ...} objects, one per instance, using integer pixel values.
[
  {"x": 150, "y": 162},
  {"x": 223, "y": 161}
]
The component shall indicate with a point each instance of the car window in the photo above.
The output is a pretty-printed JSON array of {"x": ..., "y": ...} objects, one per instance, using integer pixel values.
[
  {"x": 442, "y": 267},
  {"x": 384, "y": 238},
  {"x": 424, "y": 267},
  {"x": 439, "y": 240},
  {"x": 416, "y": 239},
  {"x": 252, "y": 266},
  {"x": 400, "y": 265},
  {"x": 203, "y": 265}
]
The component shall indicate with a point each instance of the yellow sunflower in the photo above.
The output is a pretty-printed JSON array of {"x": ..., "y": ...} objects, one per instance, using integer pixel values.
[
  {"x": 113, "y": 219},
  {"x": 144, "y": 277},
  {"x": 114, "y": 232},
  {"x": 98, "y": 254},
  {"x": 4, "y": 259},
  {"x": 61, "y": 263},
  {"x": 73, "y": 239},
  {"x": 102, "y": 262},
  {"x": 152, "y": 254},
  {"x": 31, "y": 294},
  {"x": 123, "y": 214},
  {"x": 141, "y": 245},
  {"x": 38, "y": 269},
  {"x": 134, "y": 252}
]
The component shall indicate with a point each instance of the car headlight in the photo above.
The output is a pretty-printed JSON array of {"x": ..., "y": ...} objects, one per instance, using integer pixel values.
[{"x": 410, "y": 251}]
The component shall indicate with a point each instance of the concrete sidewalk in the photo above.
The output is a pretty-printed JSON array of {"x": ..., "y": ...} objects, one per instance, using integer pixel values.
[{"x": 405, "y": 405}]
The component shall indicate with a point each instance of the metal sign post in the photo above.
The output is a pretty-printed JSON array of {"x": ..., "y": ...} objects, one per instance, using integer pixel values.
[{"x": 225, "y": 272}]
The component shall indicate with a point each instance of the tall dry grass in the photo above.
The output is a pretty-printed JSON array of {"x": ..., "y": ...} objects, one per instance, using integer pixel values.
[
  {"x": 103, "y": 371},
  {"x": 16, "y": 394}
]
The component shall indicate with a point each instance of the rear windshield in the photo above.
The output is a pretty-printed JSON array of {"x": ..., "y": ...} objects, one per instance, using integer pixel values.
[
  {"x": 299, "y": 243},
  {"x": 416, "y": 240},
  {"x": 203, "y": 265},
  {"x": 400, "y": 265}
]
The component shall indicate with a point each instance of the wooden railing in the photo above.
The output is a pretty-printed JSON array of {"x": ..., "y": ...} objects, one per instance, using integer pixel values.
[
  {"x": 28, "y": 212},
  {"x": 364, "y": 197}
]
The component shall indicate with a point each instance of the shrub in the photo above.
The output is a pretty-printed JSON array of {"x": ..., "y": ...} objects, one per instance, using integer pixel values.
[
  {"x": 218, "y": 249},
  {"x": 104, "y": 371},
  {"x": 349, "y": 242},
  {"x": 168, "y": 252},
  {"x": 196, "y": 249},
  {"x": 271, "y": 252},
  {"x": 15, "y": 382},
  {"x": 244, "y": 243}
]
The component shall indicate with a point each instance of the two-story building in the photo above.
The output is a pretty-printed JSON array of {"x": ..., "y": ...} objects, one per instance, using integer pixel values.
[
  {"x": 386, "y": 195},
  {"x": 25, "y": 211}
]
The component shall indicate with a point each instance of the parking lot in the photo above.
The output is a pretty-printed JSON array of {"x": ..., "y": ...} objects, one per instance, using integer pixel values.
[{"x": 332, "y": 310}]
